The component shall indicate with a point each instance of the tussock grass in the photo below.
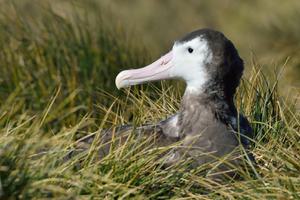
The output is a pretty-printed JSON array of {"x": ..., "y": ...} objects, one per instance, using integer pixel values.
[
  {"x": 32, "y": 153},
  {"x": 42, "y": 50},
  {"x": 54, "y": 78}
]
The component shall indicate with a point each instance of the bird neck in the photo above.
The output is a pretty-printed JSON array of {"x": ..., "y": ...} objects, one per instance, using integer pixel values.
[{"x": 216, "y": 100}]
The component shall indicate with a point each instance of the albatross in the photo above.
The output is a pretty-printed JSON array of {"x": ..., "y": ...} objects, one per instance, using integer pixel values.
[{"x": 207, "y": 125}]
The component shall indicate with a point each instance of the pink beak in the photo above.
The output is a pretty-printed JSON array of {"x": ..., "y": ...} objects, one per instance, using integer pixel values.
[{"x": 158, "y": 70}]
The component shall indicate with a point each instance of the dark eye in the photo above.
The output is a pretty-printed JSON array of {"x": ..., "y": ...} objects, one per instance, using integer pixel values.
[{"x": 190, "y": 50}]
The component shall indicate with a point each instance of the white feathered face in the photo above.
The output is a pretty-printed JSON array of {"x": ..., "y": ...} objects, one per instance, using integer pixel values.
[
  {"x": 190, "y": 60},
  {"x": 187, "y": 61}
]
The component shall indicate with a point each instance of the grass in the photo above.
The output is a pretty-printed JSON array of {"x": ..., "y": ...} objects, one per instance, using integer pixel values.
[{"x": 56, "y": 86}]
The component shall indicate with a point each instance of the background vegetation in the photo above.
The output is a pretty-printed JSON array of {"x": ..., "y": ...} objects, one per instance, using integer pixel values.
[{"x": 57, "y": 69}]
